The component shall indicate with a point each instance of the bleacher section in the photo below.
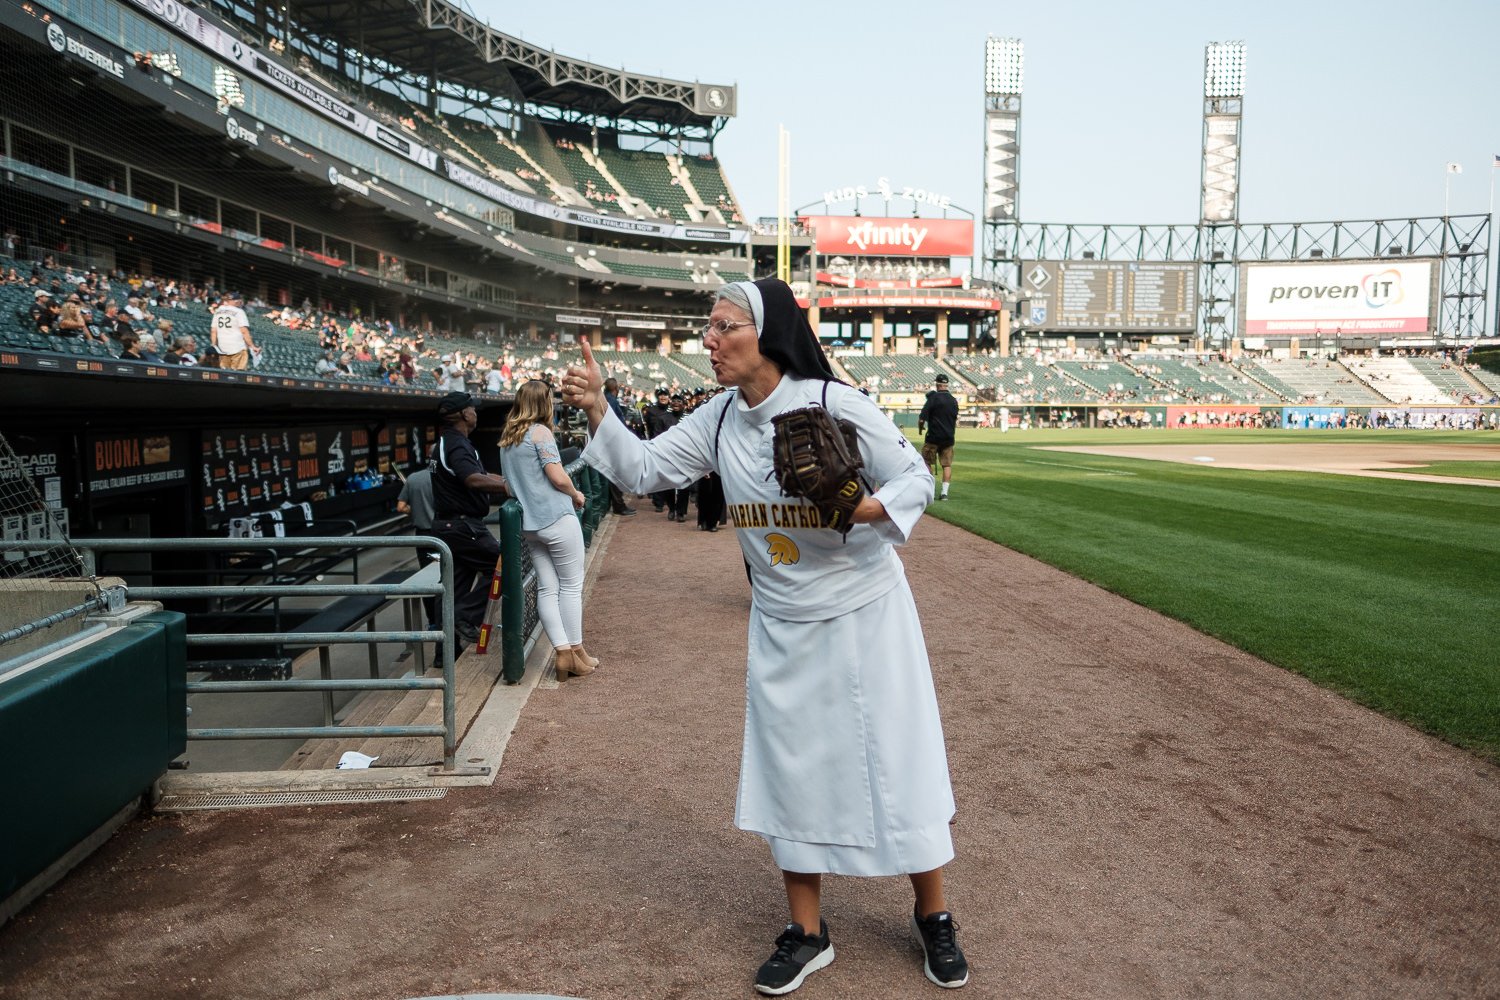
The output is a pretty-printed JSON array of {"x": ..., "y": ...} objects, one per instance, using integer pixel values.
[
  {"x": 647, "y": 176},
  {"x": 894, "y": 372},
  {"x": 537, "y": 163},
  {"x": 1204, "y": 381},
  {"x": 1414, "y": 380},
  {"x": 1118, "y": 383},
  {"x": 713, "y": 190},
  {"x": 1487, "y": 379},
  {"x": 1313, "y": 380},
  {"x": 1449, "y": 378},
  {"x": 645, "y": 371},
  {"x": 1021, "y": 379}
]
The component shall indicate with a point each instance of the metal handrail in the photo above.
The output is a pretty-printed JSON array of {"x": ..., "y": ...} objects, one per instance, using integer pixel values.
[{"x": 89, "y": 547}]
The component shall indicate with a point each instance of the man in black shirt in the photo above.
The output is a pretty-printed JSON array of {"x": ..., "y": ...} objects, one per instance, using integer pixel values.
[
  {"x": 940, "y": 418},
  {"x": 658, "y": 419},
  {"x": 43, "y": 312},
  {"x": 461, "y": 492}
]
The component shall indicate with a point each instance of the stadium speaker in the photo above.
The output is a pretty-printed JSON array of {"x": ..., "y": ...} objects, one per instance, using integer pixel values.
[{"x": 336, "y": 204}]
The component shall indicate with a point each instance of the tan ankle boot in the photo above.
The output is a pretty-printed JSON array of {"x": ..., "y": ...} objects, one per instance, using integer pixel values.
[
  {"x": 583, "y": 654},
  {"x": 569, "y": 662}
]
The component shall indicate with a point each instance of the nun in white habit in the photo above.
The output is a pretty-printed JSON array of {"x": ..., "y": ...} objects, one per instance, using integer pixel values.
[{"x": 843, "y": 768}]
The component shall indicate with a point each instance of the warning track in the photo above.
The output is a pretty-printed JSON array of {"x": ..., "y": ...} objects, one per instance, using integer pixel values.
[{"x": 1143, "y": 812}]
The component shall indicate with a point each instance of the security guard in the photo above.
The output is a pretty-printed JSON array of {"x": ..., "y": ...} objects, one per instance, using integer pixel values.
[{"x": 461, "y": 493}]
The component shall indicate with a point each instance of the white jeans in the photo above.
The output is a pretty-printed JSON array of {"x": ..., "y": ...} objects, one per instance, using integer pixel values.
[{"x": 557, "y": 554}]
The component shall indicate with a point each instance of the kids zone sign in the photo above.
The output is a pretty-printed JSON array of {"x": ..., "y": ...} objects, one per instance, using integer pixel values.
[
  {"x": 1367, "y": 297},
  {"x": 866, "y": 236}
]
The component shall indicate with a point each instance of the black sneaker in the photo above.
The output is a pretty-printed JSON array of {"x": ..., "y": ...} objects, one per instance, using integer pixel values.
[
  {"x": 797, "y": 955},
  {"x": 625, "y": 511},
  {"x": 945, "y": 963}
]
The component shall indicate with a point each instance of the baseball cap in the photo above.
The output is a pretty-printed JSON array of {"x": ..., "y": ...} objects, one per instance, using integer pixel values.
[
  {"x": 454, "y": 402},
  {"x": 41, "y": 293},
  {"x": 941, "y": 379}
]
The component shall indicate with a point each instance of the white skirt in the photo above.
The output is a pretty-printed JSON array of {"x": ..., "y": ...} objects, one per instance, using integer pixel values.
[{"x": 843, "y": 768}]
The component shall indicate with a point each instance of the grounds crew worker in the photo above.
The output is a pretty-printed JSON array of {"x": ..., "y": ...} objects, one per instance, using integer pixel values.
[
  {"x": 461, "y": 492},
  {"x": 940, "y": 417}
]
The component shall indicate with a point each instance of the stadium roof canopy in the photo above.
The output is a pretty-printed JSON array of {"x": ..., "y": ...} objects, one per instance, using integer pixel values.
[{"x": 414, "y": 37}]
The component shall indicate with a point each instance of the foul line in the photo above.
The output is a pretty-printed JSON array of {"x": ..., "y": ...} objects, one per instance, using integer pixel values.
[{"x": 1086, "y": 468}]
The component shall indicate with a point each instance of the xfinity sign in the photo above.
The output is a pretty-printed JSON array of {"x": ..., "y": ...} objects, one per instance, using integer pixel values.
[{"x": 865, "y": 237}]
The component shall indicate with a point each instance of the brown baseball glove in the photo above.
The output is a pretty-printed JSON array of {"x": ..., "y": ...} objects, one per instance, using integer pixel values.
[{"x": 817, "y": 459}]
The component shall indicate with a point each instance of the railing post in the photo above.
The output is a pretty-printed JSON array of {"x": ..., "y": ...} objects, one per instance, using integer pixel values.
[
  {"x": 512, "y": 594},
  {"x": 599, "y": 496}
]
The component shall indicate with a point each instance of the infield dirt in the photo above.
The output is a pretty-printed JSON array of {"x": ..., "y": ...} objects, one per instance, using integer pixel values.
[{"x": 1143, "y": 812}]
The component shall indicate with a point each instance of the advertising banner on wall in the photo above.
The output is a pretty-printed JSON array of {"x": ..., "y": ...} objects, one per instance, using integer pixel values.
[
  {"x": 863, "y": 236},
  {"x": 1313, "y": 417},
  {"x": 1229, "y": 415},
  {"x": 133, "y": 463},
  {"x": 1366, "y": 297}
]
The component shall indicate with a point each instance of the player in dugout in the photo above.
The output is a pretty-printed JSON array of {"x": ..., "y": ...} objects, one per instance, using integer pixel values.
[{"x": 843, "y": 769}]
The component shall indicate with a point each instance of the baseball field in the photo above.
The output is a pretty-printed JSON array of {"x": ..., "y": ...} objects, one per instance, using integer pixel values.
[{"x": 1367, "y": 561}]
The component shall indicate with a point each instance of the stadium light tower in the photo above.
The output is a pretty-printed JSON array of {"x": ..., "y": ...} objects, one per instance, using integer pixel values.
[
  {"x": 1219, "y": 202},
  {"x": 1223, "y": 100},
  {"x": 1004, "y": 66}
]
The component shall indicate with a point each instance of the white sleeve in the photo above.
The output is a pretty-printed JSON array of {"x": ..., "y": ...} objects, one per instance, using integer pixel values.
[
  {"x": 903, "y": 483},
  {"x": 675, "y": 458}
]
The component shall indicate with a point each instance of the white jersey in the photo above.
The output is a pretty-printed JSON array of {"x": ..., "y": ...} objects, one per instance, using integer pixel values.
[
  {"x": 228, "y": 321},
  {"x": 799, "y": 570}
]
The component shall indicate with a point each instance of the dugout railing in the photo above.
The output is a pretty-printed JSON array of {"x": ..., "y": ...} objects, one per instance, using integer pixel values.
[{"x": 519, "y": 621}]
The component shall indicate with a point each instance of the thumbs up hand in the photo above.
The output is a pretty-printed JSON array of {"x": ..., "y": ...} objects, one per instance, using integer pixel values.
[{"x": 583, "y": 386}]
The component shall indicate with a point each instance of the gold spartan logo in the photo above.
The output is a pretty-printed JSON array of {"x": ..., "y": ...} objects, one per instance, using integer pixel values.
[{"x": 781, "y": 549}]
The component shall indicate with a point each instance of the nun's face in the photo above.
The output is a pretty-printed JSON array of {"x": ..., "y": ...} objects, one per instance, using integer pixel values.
[{"x": 735, "y": 353}]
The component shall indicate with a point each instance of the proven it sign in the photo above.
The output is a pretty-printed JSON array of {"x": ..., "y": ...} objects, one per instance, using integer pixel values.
[
  {"x": 862, "y": 236},
  {"x": 1366, "y": 297}
]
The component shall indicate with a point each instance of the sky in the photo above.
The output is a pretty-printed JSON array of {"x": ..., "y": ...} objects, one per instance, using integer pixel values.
[{"x": 1351, "y": 111}]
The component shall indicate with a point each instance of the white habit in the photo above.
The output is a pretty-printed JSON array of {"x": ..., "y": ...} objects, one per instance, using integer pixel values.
[{"x": 843, "y": 768}]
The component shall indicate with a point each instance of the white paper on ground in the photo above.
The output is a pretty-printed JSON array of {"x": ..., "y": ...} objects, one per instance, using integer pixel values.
[{"x": 355, "y": 759}]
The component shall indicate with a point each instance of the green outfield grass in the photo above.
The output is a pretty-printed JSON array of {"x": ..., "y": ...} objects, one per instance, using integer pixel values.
[
  {"x": 1462, "y": 470},
  {"x": 1384, "y": 590}
]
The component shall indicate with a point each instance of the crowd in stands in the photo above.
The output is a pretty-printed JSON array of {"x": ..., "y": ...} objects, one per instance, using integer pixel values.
[{"x": 160, "y": 319}]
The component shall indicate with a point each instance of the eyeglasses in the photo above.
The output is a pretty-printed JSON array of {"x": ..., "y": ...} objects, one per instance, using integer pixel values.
[{"x": 721, "y": 328}]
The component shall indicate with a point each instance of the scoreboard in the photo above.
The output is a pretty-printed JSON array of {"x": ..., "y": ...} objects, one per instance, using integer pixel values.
[{"x": 1123, "y": 296}]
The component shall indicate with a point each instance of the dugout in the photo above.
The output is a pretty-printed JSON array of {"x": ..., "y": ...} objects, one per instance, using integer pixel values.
[{"x": 163, "y": 451}]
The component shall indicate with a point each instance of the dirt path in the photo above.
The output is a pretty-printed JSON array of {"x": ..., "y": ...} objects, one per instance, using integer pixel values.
[
  {"x": 1144, "y": 812},
  {"x": 1374, "y": 459}
]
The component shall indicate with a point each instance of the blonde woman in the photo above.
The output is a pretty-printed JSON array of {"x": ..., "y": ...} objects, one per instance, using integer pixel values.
[{"x": 548, "y": 498}]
